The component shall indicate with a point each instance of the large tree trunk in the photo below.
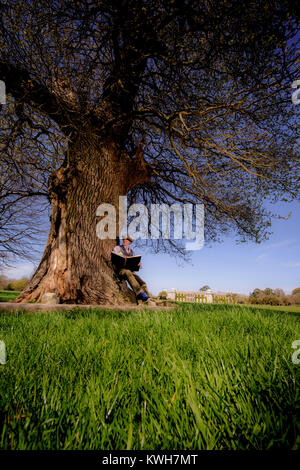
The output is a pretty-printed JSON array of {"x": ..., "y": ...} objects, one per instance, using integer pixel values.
[{"x": 76, "y": 263}]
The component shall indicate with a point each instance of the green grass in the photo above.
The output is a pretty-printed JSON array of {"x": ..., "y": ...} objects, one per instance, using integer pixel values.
[
  {"x": 281, "y": 308},
  {"x": 8, "y": 295},
  {"x": 198, "y": 377}
]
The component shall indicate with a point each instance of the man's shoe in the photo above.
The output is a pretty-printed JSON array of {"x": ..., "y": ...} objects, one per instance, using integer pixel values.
[{"x": 142, "y": 296}]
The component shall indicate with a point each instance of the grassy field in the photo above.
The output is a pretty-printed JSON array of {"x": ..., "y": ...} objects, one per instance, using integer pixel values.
[
  {"x": 198, "y": 377},
  {"x": 281, "y": 308},
  {"x": 8, "y": 295}
]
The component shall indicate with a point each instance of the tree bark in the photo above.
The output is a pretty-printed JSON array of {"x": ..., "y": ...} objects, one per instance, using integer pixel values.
[{"x": 76, "y": 263}]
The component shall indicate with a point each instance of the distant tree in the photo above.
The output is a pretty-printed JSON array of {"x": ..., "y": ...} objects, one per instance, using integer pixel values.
[
  {"x": 254, "y": 299},
  {"x": 296, "y": 291},
  {"x": 256, "y": 292},
  {"x": 279, "y": 292},
  {"x": 271, "y": 299},
  {"x": 285, "y": 300},
  {"x": 268, "y": 291},
  {"x": 295, "y": 299},
  {"x": 19, "y": 284},
  {"x": 162, "y": 294},
  {"x": 16, "y": 284},
  {"x": 204, "y": 288},
  {"x": 264, "y": 299},
  {"x": 3, "y": 282},
  {"x": 268, "y": 296},
  {"x": 242, "y": 299}
]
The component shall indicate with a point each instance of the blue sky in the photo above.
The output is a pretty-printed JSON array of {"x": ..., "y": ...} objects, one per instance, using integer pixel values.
[
  {"x": 232, "y": 267},
  {"x": 226, "y": 266}
]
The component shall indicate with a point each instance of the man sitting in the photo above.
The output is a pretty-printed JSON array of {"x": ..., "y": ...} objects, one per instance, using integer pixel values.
[{"x": 137, "y": 284}]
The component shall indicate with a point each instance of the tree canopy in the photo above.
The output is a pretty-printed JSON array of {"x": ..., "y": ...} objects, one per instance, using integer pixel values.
[
  {"x": 206, "y": 85},
  {"x": 205, "y": 288}
]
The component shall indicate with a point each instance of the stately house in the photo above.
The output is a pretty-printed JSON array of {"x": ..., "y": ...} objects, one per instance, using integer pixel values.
[{"x": 207, "y": 296}]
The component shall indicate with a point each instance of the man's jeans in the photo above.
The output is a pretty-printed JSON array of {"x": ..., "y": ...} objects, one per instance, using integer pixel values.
[{"x": 137, "y": 284}]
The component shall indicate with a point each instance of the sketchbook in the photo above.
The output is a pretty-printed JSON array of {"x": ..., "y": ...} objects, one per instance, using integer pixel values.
[{"x": 120, "y": 261}]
